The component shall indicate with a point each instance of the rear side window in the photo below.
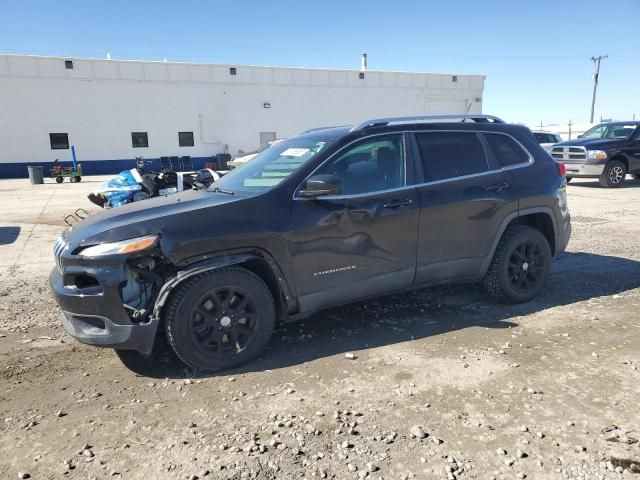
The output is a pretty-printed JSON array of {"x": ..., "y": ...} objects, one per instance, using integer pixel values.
[
  {"x": 506, "y": 150},
  {"x": 451, "y": 154}
]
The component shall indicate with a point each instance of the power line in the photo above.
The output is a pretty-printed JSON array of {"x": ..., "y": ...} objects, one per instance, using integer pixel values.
[{"x": 597, "y": 61}]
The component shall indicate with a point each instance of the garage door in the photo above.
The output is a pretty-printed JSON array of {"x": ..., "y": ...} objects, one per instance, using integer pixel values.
[{"x": 444, "y": 106}]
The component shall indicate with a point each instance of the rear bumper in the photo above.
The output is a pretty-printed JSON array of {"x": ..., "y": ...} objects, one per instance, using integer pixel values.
[
  {"x": 564, "y": 235},
  {"x": 585, "y": 170}
]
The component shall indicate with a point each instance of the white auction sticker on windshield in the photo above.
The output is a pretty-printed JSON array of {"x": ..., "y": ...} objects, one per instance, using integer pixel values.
[{"x": 294, "y": 152}]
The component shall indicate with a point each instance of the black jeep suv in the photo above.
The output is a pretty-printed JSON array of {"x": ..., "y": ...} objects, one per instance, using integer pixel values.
[
  {"x": 327, "y": 217},
  {"x": 607, "y": 152}
]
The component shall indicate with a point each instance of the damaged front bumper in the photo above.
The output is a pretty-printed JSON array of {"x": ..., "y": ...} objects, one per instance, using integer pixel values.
[{"x": 93, "y": 311}]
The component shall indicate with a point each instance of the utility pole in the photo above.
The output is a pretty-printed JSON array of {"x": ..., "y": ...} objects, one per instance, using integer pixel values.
[{"x": 596, "y": 60}]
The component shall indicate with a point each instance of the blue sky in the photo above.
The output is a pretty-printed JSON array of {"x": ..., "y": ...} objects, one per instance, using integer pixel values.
[{"x": 536, "y": 54}]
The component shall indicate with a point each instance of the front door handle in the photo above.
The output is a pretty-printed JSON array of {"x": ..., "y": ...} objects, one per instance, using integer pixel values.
[
  {"x": 398, "y": 203},
  {"x": 498, "y": 187}
]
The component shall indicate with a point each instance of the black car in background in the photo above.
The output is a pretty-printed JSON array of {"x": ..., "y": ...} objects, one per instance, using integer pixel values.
[
  {"x": 608, "y": 152},
  {"x": 328, "y": 217}
]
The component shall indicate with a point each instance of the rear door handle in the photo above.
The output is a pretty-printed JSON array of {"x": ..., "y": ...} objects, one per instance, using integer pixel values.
[
  {"x": 498, "y": 187},
  {"x": 398, "y": 203}
]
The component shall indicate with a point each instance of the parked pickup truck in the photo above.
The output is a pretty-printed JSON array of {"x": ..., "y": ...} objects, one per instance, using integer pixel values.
[{"x": 608, "y": 152}]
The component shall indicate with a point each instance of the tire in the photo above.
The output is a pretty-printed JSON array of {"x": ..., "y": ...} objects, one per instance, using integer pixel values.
[
  {"x": 527, "y": 248},
  {"x": 59, "y": 179},
  {"x": 613, "y": 175},
  {"x": 78, "y": 178},
  {"x": 208, "y": 313},
  {"x": 73, "y": 179}
]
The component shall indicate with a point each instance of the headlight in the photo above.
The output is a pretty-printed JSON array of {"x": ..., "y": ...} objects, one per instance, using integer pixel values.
[
  {"x": 124, "y": 246},
  {"x": 597, "y": 154}
]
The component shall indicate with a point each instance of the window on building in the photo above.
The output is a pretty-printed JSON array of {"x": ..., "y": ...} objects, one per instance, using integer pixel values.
[
  {"x": 68, "y": 64},
  {"x": 451, "y": 154},
  {"x": 139, "y": 140},
  {"x": 59, "y": 141},
  {"x": 372, "y": 165},
  {"x": 506, "y": 150},
  {"x": 232, "y": 71},
  {"x": 361, "y": 75},
  {"x": 185, "y": 139}
]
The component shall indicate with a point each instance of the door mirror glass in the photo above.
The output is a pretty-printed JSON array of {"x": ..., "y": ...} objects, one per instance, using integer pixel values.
[{"x": 322, "y": 185}]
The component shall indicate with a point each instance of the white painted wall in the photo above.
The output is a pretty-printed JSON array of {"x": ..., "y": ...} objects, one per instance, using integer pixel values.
[{"x": 100, "y": 102}]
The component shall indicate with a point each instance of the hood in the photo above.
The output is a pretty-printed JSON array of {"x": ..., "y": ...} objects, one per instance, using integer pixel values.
[
  {"x": 143, "y": 218},
  {"x": 594, "y": 143}
]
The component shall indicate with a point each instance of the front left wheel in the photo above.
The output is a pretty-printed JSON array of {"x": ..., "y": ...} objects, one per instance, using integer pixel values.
[
  {"x": 220, "y": 319},
  {"x": 520, "y": 266},
  {"x": 613, "y": 175}
]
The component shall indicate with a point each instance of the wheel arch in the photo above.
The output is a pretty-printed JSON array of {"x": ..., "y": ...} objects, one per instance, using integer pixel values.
[
  {"x": 540, "y": 218},
  {"x": 621, "y": 158},
  {"x": 256, "y": 261}
]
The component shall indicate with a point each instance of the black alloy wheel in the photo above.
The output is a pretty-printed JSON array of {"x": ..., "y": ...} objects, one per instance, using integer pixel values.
[
  {"x": 220, "y": 319},
  {"x": 526, "y": 266},
  {"x": 520, "y": 266},
  {"x": 224, "y": 321}
]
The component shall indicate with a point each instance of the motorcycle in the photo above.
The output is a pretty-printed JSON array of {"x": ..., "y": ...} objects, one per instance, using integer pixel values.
[{"x": 140, "y": 184}]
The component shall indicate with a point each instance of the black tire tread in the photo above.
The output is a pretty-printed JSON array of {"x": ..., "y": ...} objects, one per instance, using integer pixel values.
[
  {"x": 177, "y": 296},
  {"x": 491, "y": 280}
]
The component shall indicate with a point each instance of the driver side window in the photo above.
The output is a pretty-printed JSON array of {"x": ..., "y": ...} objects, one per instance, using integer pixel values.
[{"x": 371, "y": 165}]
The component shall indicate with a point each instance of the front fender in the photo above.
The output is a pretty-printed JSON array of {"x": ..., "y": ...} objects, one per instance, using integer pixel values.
[{"x": 201, "y": 267}]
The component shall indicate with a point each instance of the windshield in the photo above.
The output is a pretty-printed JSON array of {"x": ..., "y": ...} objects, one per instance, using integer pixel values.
[
  {"x": 269, "y": 168},
  {"x": 610, "y": 130}
]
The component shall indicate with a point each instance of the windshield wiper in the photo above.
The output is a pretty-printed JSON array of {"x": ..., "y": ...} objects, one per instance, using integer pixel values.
[{"x": 220, "y": 190}]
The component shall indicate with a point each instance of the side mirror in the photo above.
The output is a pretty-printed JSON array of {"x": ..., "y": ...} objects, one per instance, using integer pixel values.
[{"x": 321, "y": 185}]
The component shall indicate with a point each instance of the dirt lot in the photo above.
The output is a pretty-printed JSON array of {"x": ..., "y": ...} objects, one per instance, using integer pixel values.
[{"x": 445, "y": 383}]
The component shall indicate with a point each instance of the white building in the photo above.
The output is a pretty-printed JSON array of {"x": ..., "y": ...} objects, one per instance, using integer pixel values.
[{"x": 114, "y": 110}]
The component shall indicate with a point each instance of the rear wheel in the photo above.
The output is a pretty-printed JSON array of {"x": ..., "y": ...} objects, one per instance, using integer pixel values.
[
  {"x": 73, "y": 179},
  {"x": 613, "y": 175},
  {"x": 520, "y": 265},
  {"x": 59, "y": 179},
  {"x": 221, "y": 319}
]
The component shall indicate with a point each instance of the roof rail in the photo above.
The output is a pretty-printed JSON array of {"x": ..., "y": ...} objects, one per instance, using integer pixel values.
[
  {"x": 317, "y": 129},
  {"x": 378, "y": 122}
]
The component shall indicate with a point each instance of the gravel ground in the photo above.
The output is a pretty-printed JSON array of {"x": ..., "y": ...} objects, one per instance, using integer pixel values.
[{"x": 440, "y": 383}]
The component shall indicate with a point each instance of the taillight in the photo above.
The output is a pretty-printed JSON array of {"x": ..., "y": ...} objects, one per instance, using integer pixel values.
[{"x": 562, "y": 169}]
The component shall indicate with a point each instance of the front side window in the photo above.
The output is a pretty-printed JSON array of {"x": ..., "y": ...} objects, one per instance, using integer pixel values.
[
  {"x": 59, "y": 141},
  {"x": 373, "y": 164},
  {"x": 595, "y": 132},
  {"x": 448, "y": 155},
  {"x": 610, "y": 130},
  {"x": 506, "y": 150},
  {"x": 139, "y": 140},
  {"x": 185, "y": 139},
  {"x": 273, "y": 165}
]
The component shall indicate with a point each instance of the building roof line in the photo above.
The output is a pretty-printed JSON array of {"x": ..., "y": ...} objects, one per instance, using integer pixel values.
[{"x": 228, "y": 65}]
